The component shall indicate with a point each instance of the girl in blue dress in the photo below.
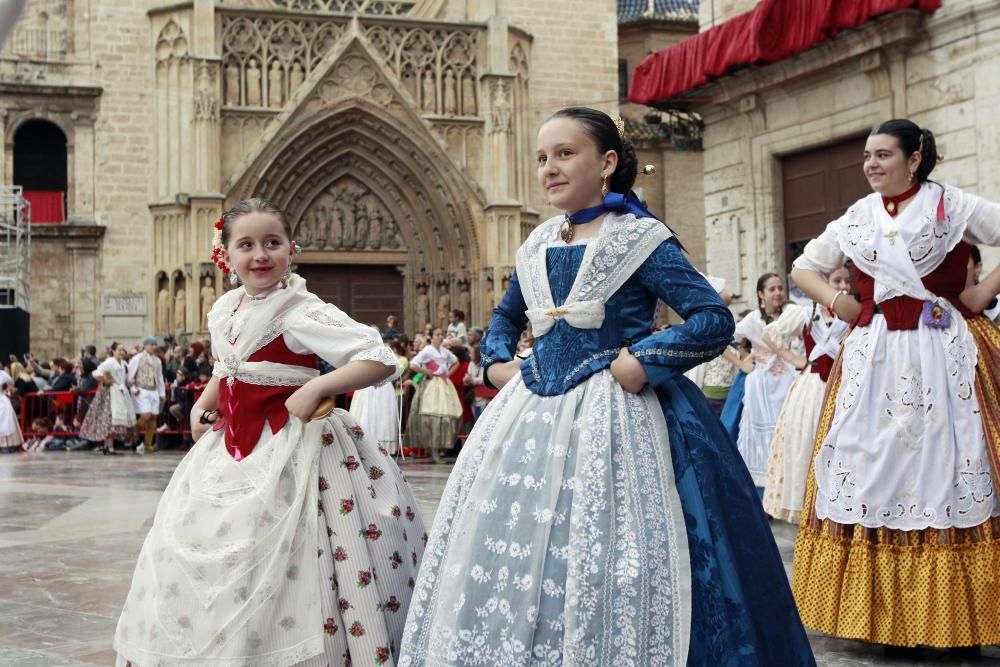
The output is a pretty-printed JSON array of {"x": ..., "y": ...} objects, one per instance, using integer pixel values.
[{"x": 598, "y": 513}]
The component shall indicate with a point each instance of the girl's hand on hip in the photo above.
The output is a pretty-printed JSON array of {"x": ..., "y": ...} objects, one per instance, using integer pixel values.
[
  {"x": 303, "y": 402},
  {"x": 628, "y": 372}
]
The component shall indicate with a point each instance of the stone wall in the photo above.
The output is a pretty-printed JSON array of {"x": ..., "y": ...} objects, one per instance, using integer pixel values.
[
  {"x": 714, "y": 12},
  {"x": 943, "y": 72}
]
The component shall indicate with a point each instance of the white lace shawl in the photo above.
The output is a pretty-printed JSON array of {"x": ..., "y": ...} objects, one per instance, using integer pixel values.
[{"x": 309, "y": 326}]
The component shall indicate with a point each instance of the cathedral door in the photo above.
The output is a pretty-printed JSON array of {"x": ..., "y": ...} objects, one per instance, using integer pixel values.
[
  {"x": 367, "y": 292},
  {"x": 819, "y": 185}
]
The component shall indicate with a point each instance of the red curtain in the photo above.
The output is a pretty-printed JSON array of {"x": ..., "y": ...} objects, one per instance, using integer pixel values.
[
  {"x": 46, "y": 206},
  {"x": 772, "y": 31}
]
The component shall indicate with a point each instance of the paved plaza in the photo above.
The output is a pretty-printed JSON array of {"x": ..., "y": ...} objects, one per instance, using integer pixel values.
[{"x": 71, "y": 526}]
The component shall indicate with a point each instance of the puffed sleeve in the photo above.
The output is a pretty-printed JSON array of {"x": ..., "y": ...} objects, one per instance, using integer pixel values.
[
  {"x": 708, "y": 324},
  {"x": 823, "y": 253},
  {"x": 982, "y": 219},
  {"x": 788, "y": 326},
  {"x": 506, "y": 324},
  {"x": 325, "y": 330}
]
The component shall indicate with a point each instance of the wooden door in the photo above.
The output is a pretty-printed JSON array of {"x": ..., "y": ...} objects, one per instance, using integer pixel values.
[
  {"x": 368, "y": 293},
  {"x": 819, "y": 185}
]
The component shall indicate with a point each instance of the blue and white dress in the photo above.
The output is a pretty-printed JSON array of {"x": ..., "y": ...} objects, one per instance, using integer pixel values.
[{"x": 585, "y": 525}]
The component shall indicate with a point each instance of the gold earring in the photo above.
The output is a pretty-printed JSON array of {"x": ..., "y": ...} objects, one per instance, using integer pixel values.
[
  {"x": 909, "y": 179},
  {"x": 604, "y": 186}
]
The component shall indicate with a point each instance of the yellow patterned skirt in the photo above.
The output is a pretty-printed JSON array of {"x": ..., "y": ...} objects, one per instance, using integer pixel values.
[{"x": 930, "y": 587}]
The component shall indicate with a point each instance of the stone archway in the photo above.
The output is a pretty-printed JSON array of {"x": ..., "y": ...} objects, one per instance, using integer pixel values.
[{"x": 360, "y": 189}]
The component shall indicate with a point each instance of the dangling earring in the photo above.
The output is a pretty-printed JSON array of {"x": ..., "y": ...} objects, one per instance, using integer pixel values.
[
  {"x": 909, "y": 179},
  {"x": 288, "y": 275},
  {"x": 233, "y": 279},
  {"x": 604, "y": 186}
]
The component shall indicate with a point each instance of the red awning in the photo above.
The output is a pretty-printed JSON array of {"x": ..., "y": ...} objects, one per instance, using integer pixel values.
[
  {"x": 46, "y": 205},
  {"x": 773, "y": 31}
]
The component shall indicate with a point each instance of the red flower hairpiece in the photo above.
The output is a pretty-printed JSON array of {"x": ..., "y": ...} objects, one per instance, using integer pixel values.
[{"x": 217, "y": 248}]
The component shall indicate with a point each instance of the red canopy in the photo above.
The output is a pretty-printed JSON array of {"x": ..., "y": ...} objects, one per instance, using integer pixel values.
[{"x": 773, "y": 31}]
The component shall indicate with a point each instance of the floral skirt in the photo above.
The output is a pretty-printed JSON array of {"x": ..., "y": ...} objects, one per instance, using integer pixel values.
[
  {"x": 932, "y": 587},
  {"x": 97, "y": 426},
  {"x": 303, "y": 553}
]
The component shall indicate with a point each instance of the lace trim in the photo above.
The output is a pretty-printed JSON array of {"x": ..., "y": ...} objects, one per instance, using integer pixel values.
[{"x": 383, "y": 355}]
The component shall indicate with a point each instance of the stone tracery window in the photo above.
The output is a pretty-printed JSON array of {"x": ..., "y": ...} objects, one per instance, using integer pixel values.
[
  {"x": 378, "y": 7},
  {"x": 266, "y": 59}
]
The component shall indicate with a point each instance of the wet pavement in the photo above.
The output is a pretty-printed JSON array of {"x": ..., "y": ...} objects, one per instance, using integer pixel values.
[{"x": 71, "y": 525}]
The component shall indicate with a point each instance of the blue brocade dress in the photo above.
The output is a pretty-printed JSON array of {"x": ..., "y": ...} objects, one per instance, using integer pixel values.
[{"x": 593, "y": 573}]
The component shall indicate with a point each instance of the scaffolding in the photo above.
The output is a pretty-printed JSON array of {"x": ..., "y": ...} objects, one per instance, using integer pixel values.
[{"x": 15, "y": 248}]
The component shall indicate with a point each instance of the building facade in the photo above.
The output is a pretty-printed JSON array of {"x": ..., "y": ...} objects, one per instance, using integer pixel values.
[
  {"x": 783, "y": 142},
  {"x": 398, "y": 135}
]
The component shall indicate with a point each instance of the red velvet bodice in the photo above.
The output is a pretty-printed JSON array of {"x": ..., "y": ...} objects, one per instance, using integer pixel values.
[
  {"x": 903, "y": 312},
  {"x": 245, "y": 407},
  {"x": 821, "y": 366}
]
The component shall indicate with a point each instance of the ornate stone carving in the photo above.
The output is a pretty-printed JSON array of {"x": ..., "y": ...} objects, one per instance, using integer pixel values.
[
  {"x": 502, "y": 112},
  {"x": 206, "y": 103},
  {"x": 464, "y": 300},
  {"x": 422, "y": 306},
  {"x": 379, "y": 7},
  {"x": 163, "y": 309},
  {"x": 355, "y": 76},
  {"x": 443, "y": 306},
  {"x": 180, "y": 307},
  {"x": 348, "y": 216},
  {"x": 207, "y": 299}
]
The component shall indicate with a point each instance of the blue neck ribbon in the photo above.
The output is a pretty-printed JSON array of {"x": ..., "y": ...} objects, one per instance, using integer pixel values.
[
  {"x": 613, "y": 201},
  {"x": 618, "y": 203}
]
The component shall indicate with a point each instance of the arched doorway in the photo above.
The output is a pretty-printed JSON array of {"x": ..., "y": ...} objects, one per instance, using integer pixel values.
[
  {"x": 40, "y": 167},
  {"x": 383, "y": 215}
]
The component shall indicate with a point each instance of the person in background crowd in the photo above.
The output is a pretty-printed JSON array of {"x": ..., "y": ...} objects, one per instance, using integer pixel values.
[
  {"x": 482, "y": 394},
  {"x": 436, "y": 407},
  {"x": 795, "y": 432},
  {"x": 83, "y": 371},
  {"x": 10, "y": 430},
  {"x": 391, "y": 328},
  {"x": 111, "y": 415},
  {"x": 474, "y": 337},
  {"x": 456, "y": 325},
  {"x": 768, "y": 383},
  {"x": 740, "y": 355},
  {"x": 23, "y": 382},
  {"x": 89, "y": 352},
  {"x": 64, "y": 380},
  {"x": 145, "y": 378}
]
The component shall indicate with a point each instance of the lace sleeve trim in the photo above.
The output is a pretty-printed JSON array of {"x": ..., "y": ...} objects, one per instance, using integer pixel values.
[{"x": 384, "y": 356}]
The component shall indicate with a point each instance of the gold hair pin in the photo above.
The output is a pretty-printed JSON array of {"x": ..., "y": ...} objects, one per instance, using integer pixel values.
[
  {"x": 648, "y": 170},
  {"x": 620, "y": 124}
]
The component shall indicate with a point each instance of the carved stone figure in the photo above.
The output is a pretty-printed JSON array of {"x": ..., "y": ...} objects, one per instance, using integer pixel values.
[
  {"x": 423, "y": 306},
  {"x": 443, "y": 306},
  {"x": 253, "y": 84},
  {"x": 469, "y": 96},
  {"x": 207, "y": 299},
  {"x": 450, "y": 94},
  {"x": 274, "y": 89},
  {"x": 232, "y": 84},
  {"x": 392, "y": 240},
  {"x": 427, "y": 90},
  {"x": 464, "y": 301},
  {"x": 295, "y": 79},
  {"x": 163, "y": 310},
  {"x": 491, "y": 301},
  {"x": 180, "y": 311},
  {"x": 205, "y": 104}
]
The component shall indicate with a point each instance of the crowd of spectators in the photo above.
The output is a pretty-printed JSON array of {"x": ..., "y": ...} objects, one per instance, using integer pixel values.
[{"x": 51, "y": 396}]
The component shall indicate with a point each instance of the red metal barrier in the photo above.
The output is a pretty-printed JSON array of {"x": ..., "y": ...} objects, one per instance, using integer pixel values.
[{"x": 73, "y": 405}]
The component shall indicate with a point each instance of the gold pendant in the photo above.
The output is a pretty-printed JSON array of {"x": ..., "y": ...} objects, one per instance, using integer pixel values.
[
  {"x": 566, "y": 231},
  {"x": 891, "y": 207}
]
